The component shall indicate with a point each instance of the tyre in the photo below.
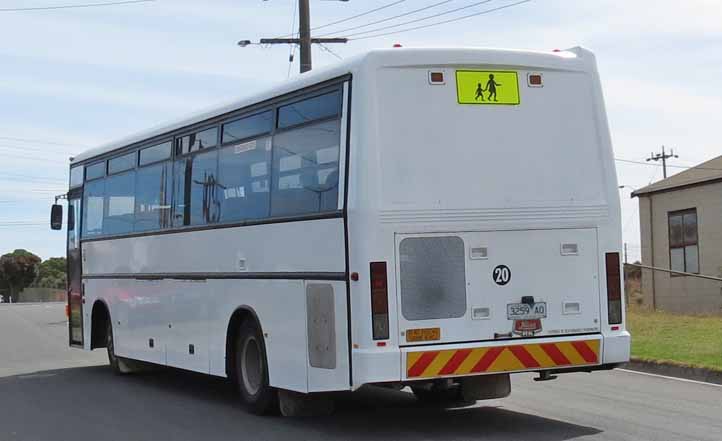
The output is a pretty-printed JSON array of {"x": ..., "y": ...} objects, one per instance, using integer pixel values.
[
  {"x": 113, "y": 360},
  {"x": 252, "y": 371},
  {"x": 437, "y": 393}
]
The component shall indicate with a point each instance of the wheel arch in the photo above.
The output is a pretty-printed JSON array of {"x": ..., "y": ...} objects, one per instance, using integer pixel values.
[
  {"x": 240, "y": 315},
  {"x": 99, "y": 319}
]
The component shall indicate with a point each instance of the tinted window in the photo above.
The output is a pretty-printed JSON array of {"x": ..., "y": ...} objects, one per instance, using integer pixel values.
[
  {"x": 196, "y": 189},
  {"x": 153, "y": 197},
  {"x": 95, "y": 171},
  {"x": 197, "y": 141},
  {"x": 120, "y": 203},
  {"x": 305, "y": 170},
  {"x": 156, "y": 153},
  {"x": 324, "y": 106},
  {"x": 76, "y": 177},
  {"x": 122, "y": 163},
  {"x": 249, "y": 127},
  {"x": 93, "y": 208},
  {"x": 244, "y": 180}
]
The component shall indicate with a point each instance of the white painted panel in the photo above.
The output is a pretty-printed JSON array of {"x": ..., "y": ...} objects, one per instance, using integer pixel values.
[
  {"x": 188, "y": 308},
  {"x": 320, "y": 380},
  {"x": 138, "y": 310},
  {"x": 310, "y": 246},
  {"x": 280, "y": 306}
]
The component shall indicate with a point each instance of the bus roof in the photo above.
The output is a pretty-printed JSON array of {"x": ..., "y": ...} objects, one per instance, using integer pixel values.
[{"x": 571, "y": 59}]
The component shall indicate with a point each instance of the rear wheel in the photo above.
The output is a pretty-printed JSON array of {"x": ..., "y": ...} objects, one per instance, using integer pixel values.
[
  {"x": 252, "y": 371},
  {"x": 437, "y": 392}
]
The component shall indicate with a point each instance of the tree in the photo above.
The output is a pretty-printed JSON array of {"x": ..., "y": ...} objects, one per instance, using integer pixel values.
[
  {"x": 51, "y": 274},
  {"x": 18, "y": 270}
]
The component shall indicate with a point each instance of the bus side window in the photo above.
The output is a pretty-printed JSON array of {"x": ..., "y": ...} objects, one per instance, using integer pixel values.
[
  {"x": 305, "y": 170},
  {"x": 244, "y": 180},
  {"x": 120, "y": 203},
  {"x": 93, "y": 208}
]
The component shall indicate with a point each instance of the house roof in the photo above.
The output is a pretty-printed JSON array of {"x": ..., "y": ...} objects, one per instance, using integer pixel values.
[{"x": 700, "y": 174}]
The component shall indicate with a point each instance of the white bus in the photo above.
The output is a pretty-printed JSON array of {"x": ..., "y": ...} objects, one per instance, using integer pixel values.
[{"x": 434, "y": 218}]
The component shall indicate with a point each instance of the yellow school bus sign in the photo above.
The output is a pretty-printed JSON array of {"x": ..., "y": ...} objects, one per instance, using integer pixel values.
[{"x": 487, "y": 87}]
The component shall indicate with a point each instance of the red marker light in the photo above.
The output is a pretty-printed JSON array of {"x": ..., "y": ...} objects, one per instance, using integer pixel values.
[
  {"x": 397, "y": 45},
  {"x": 354, "y": 276},
  {"x": 535, "y": 80},
  {"x": 436, "y": 77}
]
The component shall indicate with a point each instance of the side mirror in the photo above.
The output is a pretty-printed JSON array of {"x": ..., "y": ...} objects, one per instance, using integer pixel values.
[{"x": 56, "y": 217}]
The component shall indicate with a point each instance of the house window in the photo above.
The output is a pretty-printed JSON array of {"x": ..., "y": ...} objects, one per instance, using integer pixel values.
[{"x": 683, "y": 245}]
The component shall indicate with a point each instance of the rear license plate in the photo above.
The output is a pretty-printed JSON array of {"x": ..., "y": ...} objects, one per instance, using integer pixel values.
[
  {"x": 524, "y": 311},
  {"x": 425, "y": 334}
]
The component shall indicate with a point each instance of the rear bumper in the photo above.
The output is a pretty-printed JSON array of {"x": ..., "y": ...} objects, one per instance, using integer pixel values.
[
  {"x": 501, "y": 357},
  {"x": 568, "y": 354}
]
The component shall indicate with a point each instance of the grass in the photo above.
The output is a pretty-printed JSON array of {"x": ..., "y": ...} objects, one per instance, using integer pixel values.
[{"x": 681, "y": 339}]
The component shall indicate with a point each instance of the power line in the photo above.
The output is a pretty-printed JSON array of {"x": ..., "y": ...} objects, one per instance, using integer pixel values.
[
  {"x": 393, "y": 18},
  {"x": 22, "y": 201},
  {"x": 328, "y": 49},
  {"x": 686, "y": 167},
  {"x": 487, "y": 11},
  {"x": 293, "y": 34},
  {"x": 41, "y": 141},
  {"x": 27, "y": 178},
  {"x": 82, "y": 5},
  {"x": 360, "y": 15}
]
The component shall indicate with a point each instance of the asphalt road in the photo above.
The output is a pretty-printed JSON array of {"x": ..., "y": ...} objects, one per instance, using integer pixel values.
[{"x": 50, "y": 392}]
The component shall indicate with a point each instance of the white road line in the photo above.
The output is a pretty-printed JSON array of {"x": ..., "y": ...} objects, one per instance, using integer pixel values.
[
  {"x": 685, "y": 380},
  {"x": 31, "y": 376}
]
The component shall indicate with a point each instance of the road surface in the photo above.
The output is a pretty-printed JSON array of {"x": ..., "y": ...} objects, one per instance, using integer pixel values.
[{"x": 49, "y": 392}]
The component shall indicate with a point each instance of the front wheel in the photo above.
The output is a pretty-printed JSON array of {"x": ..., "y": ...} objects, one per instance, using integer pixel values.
[
  {"x": 113, "y": 360},
  {"x": 252, "y": 371}
]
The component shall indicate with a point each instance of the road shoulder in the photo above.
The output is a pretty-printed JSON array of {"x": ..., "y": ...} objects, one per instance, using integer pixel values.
[{"x": 670, "y": 369}]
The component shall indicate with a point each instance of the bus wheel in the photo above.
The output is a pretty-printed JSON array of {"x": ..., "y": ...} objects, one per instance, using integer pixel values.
[
  {"x": 438, "y": 392},
  {"x": 119, "y": 365},
  {"x": 252, "y": 371},
  {"x": 110, "y": 346}
]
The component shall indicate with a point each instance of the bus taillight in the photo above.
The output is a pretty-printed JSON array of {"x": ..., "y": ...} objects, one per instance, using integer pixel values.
[
  {"x": 614, "y": 288},
  {"x": 379, "y": 301}
]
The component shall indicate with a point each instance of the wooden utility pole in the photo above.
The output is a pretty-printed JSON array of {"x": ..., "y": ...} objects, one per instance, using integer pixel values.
[
  {"x": 662, "y": 157},
  {"x": 304, "y": 33},
  {"x": 304, "y": 40}
]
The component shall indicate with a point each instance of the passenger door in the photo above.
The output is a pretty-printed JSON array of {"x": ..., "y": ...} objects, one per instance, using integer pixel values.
[{"x": 74, "y": 271}]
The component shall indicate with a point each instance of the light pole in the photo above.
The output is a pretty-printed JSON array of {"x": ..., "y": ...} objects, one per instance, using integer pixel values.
[{"x": 304, "y": 39}]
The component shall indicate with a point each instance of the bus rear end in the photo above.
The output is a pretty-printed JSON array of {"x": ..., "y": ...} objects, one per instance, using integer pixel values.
[{"x": 484, "y": 219}]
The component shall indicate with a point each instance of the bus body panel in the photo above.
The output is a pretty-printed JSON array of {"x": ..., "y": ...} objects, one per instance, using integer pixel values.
[
  {"x": 528, "y": 178},
  {"x": 188, "y": 296}
]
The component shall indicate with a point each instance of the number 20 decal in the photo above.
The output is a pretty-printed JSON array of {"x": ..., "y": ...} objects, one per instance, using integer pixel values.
[{"x": 501, "y": 275}]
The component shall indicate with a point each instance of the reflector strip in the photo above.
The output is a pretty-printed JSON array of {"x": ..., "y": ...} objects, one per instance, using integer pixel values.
[
  {"x": 555, "y": 354},
  {"x": 487, "y": 359},
  {"x": 420, "y": 366},
  {"x": 524, "y": 356},
  {"x": 587, "y": 354},
  {"x": 455, "y": 362}
]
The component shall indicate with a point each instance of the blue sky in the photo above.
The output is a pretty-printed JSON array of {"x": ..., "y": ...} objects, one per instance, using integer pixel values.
[{"x": 74, "y": 78}]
